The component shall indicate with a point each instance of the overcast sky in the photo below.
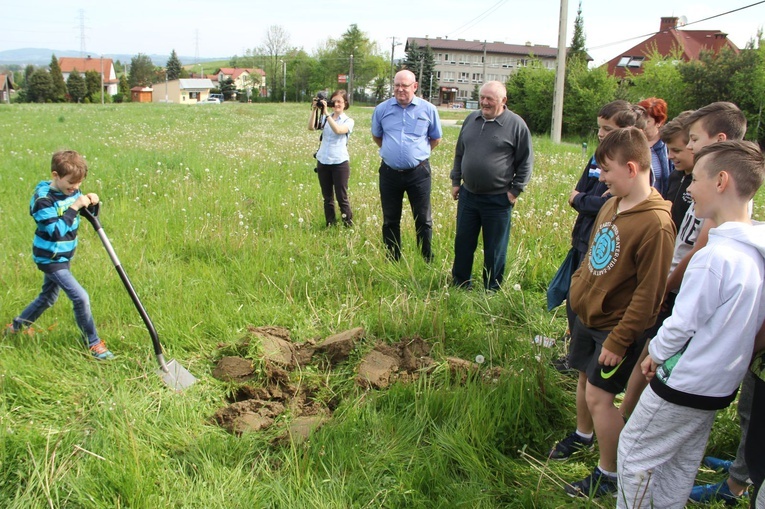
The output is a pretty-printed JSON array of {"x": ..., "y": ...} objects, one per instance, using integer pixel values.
[{"x": 229, "y": 27}]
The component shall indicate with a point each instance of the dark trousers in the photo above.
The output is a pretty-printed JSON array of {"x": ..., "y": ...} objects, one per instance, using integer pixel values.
[
  {"x": 333, "y": 179},
  {"x": 755, "y": 439},
  {"x": 490, "y": 214},
  {"x": 415, "y": 183}
]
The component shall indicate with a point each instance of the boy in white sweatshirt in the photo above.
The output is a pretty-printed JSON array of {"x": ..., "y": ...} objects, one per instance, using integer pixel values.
[{"x": 701, "y": 353}]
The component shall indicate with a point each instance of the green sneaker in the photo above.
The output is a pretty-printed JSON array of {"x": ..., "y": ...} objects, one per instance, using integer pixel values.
[{"x": 100, "y": 352}]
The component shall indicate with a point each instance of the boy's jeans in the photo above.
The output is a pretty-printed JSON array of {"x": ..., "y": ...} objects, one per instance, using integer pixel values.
[{"x": 64, "y": 280}]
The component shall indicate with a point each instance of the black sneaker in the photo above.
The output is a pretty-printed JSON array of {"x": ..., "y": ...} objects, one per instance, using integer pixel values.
[
  {"x": 569, "y": 445},
  {"x": 562, "y": 366},
  {"x": 596, "y": 484}
]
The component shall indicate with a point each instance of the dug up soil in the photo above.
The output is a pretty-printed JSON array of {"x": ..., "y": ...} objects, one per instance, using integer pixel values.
[{"x": 296, "y": 408}]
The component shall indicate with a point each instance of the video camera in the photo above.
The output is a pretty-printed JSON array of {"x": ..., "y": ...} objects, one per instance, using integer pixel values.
[{"x": 321, "y": 97}]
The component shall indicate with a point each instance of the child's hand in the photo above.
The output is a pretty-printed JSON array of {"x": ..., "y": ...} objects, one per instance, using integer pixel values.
[
  {"x": 648, "y": 367},
  {"x": 572, "y": 196},
  {"x": 83, "y": 201},
  {"x": 93, "y": 198},
  {"x": 608, "y": 358}
]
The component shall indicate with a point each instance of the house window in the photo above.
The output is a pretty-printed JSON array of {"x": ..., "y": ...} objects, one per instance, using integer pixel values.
[
  {"x": 477, "y": 77},
  {"x": 449, "y": 76},
  {"x": 438, "y": 75},
  {"x": 194, "y": 95},
  {"x": 633, "y": 62},
  {"x": 463, "y": 94},
  {"x": 464, "y": 77}
]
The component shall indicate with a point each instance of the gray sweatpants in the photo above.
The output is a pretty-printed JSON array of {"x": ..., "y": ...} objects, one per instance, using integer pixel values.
[{"x": 660, "y": 449}]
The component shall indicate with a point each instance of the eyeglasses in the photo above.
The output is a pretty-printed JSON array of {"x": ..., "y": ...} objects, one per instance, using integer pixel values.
[{"x": 401, "y": 85}]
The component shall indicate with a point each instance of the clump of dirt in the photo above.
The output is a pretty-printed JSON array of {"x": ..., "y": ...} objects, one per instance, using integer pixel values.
[
  {"x": 385, "y": 364},
  {"x": 297, "y": 407}
]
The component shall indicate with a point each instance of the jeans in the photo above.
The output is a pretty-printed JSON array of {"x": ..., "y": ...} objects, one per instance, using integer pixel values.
[
  {"x": 52, "y": 282},
  {"x": 489, "y": 213},
  {"x": 415, "y": 183},
  {"x": 333, "y": 179}
]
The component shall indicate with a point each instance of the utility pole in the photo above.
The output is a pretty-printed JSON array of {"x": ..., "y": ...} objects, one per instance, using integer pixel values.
[
  {"x": 102, "y": 79},
  {"x": 560, "y": 75},
  {"x": 350, "y": 83},
  {"x": 392, "y": 48},
  {"x": 483, "y": 77},
  {"x": 284, "y": 81}
]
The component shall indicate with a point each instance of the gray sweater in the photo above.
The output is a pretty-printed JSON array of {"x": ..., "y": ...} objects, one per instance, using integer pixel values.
[{"x": 495, "y": 156}]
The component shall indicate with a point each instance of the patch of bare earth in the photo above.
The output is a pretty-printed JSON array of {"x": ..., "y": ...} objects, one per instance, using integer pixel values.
[{"x": 294, "y": 407}]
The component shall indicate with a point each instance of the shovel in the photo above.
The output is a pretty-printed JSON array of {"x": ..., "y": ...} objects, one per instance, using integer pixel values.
[{"x": 172, "y": 373}]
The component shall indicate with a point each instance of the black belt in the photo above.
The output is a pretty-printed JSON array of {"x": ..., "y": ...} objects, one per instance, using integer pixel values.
[{"x": 419, "y": 165}]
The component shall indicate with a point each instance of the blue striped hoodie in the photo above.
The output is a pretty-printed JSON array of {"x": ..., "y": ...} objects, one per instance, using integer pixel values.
[{"x": 56, "y": 234}]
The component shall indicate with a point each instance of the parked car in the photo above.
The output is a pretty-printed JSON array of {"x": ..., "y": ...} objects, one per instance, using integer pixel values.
[
  {"x": 210, "y": 100},
  {"x": 218, "y": 96}
]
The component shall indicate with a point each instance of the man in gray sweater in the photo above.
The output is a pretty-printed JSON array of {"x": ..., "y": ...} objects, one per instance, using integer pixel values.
[{"x": 492, "y": 164}]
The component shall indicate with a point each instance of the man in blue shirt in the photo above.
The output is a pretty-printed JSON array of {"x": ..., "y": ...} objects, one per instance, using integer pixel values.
[{"x": 406, "y": 128}]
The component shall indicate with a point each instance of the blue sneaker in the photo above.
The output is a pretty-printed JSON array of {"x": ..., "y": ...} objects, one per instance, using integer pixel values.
[
  {"x": 100, "y": 352},
  {"x": 597, "y": 484},
  {"x": 714, "y": 493},
  {"x": 569, "y": 445},
  {"x": 717, "y": 464}
]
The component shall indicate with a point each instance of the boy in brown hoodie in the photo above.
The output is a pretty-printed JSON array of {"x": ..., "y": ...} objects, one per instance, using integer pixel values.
[{"x": 616, "y": 294}]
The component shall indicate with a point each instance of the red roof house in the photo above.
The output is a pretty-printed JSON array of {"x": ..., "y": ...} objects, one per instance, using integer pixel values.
[
  {"x": 102, "y": 66},
  {"x": 669, "y": 39}
]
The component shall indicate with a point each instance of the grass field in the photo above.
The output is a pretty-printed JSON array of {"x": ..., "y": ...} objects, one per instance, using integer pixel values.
[{"x": 216, "y": 216}]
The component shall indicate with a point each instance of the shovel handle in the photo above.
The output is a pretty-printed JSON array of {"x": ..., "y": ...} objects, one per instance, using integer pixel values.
[{"x": 91, "y": 214}]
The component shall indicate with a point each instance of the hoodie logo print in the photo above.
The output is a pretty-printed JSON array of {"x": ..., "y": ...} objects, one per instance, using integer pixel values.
[{"x": 605, "y": 249}]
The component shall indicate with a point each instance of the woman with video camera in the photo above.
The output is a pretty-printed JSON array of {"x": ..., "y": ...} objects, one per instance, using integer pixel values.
[{"x": 333, "y": 165}]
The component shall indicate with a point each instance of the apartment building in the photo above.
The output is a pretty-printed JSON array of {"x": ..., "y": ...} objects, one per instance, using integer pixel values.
[{"x": 461, "y": 65}]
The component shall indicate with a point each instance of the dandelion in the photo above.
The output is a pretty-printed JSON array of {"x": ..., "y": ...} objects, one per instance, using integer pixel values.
[
  {"x": 300, "y": 220},
  {"x": 517, "y": 287},
  {"x": 479, "y": 359}
]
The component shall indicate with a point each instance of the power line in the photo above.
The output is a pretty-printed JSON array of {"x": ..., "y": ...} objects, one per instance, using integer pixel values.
[
  {"x": 687, "y": 24},
  {"x": 477, "y": 19}
]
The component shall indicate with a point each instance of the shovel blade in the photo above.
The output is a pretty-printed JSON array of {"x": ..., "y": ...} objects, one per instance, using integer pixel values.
[{"x": 176, "y": 376}]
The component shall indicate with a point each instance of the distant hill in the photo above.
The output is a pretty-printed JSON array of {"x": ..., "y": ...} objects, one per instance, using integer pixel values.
[{"x": 41, "y": 56}]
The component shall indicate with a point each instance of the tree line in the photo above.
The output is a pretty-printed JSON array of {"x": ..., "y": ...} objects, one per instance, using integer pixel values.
[{"x": 294, "y": 75}]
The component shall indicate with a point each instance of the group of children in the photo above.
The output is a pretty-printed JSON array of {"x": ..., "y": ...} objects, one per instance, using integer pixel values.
[{"x": 668, "y": 294}]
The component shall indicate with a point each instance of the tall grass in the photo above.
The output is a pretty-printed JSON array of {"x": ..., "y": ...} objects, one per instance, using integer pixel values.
[{"x": 215, "y": 214}]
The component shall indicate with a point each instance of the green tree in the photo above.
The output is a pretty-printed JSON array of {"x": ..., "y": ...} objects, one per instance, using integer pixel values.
[
  {"x": 380, "y": 86},
  {"x": 578, "y": 50},
  {"x": 426, "y": 74},
  {"x": 40, "y": 87},
  {"x": 586, "y": 91},
  {"x": 93, "y": 86},
  {"x": 412, "y": 57},
  {"x": 530, "y": 95},
  {"x": 366, "y": 62},
  {"x": 174, "y": 67},
  {"x": 59, "y": 85},
  {"x": 228, "y": 89},
  {"x": 661, "y": 78},
  {"x": 141, "y": 71},
  {"x": 123, "y": 87},
  {"x": 475, "y": 94},
  {"x": 75, "y": 85}
]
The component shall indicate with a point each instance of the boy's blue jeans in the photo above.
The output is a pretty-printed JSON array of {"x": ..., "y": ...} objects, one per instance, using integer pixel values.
[{"x": 53, "y": 281}]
